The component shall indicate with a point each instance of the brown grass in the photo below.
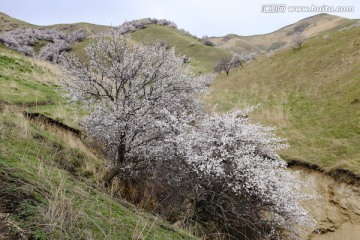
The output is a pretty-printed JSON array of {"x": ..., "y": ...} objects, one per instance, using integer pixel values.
[{"x": 315, "y": 25}]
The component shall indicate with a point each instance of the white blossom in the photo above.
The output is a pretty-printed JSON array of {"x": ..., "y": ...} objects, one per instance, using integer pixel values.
[
  {"x": 139, "y": 97},
  {"x": 142, "y": 103},
  {"x": 241, "y": 156}
]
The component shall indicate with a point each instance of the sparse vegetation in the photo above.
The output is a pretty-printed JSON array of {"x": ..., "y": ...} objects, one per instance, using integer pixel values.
[
  {"x": 207, "y": 41},
  {"x": 297, "y": 41},
  {"x": 326, "y": 37},
  {"x": 236, "y": 60}
]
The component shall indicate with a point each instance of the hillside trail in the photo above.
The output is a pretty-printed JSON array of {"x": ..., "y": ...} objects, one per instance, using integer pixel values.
[{"x": 337, "y": 211}]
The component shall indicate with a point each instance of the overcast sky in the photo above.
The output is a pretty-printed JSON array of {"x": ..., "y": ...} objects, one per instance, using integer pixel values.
[{"x": 199, "y": 17}]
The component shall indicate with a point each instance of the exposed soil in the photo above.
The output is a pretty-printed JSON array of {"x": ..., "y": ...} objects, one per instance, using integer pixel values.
[
  {"x": 337, "y": 211},
  {"x": 13, "y": 192},
  {"x": 6, "y": 231},
  {"x": 44, "y": 119},
  {"x": 8, "y": 206}
]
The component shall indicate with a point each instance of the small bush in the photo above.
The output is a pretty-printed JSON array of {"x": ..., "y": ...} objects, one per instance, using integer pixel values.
[
  {"x": 297, "y": 41},
  {"x": 207, "y": 41}
]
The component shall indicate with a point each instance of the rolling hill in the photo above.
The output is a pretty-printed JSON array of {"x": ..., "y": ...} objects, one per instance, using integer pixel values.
[
  {"x": 311, "y": 94},
  {"x": 202, "y": 57},
  {"x": 48, "y": 174},
  {"x": 266, "y": 42},
  {"x": 8, "y": 23}
]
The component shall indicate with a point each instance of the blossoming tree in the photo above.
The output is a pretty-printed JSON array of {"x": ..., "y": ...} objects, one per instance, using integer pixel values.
[
  {"x": 143, "y": 106},
  {"x": 138, "y": 96},
  {"x": 243, "y": 184}
]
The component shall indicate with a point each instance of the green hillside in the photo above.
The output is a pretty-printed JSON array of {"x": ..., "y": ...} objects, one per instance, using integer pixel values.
[
  {"x": 312, "y": 95},
  {"x": 50, "y": 181},
  {"x": 8, "y": 23},
  {"x": 202, "y": 58},
  {"x": 88, "y": 27}
]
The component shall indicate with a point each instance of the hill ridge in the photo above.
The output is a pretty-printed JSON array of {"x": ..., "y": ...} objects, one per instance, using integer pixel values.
[{"x": 309, "y": 26}]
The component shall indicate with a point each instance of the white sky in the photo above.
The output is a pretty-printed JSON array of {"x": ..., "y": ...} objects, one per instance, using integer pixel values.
[{"x": 199, "y": 17}]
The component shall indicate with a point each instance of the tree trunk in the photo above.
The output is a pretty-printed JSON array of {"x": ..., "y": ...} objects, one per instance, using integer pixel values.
[
  {"x": 120, "y": 159},
  {"x": 110, "y": 175}
]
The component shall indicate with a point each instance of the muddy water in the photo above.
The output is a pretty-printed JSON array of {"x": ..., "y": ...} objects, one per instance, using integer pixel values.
[{"x": 337, "y": 211}]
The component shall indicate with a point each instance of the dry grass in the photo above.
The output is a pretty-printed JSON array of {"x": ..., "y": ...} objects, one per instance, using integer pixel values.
[
  {"x": 314, "y": 25},
  {"x": 141, "y": 231},
  {"x": 49, "y": 73},
  {"x": 60, "y": 214},
  {"x": 61, "y": 172},
  {"x": 8, "y": 23},
  {"x": 71, "y": 204}
]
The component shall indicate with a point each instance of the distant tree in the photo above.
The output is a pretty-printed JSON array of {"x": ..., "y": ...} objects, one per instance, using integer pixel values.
[
  {"x": 326, "y": 37},
  {"x": 139, "y": 98},
  {"x": 253, "y": 56},
  {"x": 270, "y": 54},
  {"x": 227, "y": 63},
  {"x": 26, "y": 50},
  {"x": 78, "y": 35},
  {"x": 298, "y": 40},
  {"x": 207, "y": 41},
  {"x": 51, "y": 52}
]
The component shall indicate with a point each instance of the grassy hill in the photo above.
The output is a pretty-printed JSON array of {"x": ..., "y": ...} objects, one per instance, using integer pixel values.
[
  {"x": 88, "y": 27},
  {"x": 265, "y": 42},
  {"x": 8, "y": 23},
  {"x": 202, "y": 58},
  {"x": 49, "y": 179},
  {"x": 236, "y": 43},
  {"x": 312, "y": 95}
]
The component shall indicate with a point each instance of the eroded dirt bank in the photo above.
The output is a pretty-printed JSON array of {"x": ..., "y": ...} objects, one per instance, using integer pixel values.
[{"x": 337, "y": 211}]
